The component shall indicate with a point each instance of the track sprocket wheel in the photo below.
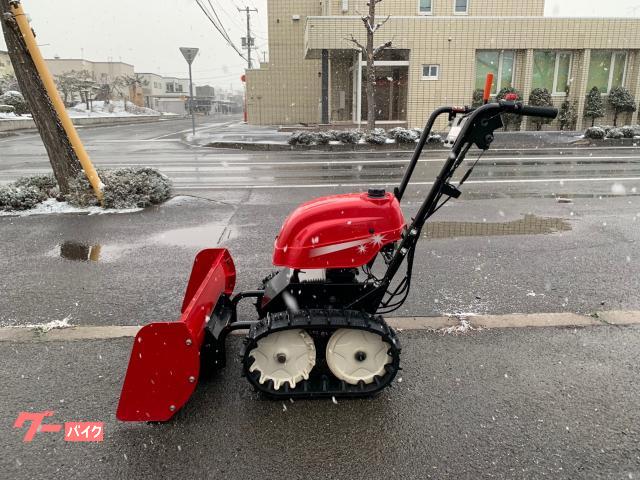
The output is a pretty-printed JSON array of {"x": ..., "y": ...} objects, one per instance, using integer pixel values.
[
  {"x": 357, "y": 355},
  {"x": 284, "y": 357}
]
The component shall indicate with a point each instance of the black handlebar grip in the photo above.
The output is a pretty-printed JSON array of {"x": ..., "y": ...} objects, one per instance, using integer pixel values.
[{"x": 546, "y": 112}]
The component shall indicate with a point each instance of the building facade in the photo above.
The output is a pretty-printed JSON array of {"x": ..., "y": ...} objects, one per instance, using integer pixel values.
[
  {"x": 101, "y": 72},
  {"x": 5, "y": 64},
  {"x": 165, "y": 94},
  {"x": 441, "y": 52}
]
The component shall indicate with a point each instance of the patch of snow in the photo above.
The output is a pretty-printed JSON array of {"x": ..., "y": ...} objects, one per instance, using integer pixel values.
[
  {"x": 112, "y": 109},
  {"x": 46, "y": 327},
  {"x": 463, "y": 327},
  {"x": 618, "y": 189},
  {"x": 52, "y": 206}
]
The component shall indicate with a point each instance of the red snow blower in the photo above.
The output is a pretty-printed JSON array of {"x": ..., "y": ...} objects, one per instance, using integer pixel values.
[{"x": 319, "y": 332}]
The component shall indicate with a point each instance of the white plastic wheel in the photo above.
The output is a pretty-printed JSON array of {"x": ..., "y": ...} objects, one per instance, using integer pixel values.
[
  {"x": 357, "y": 355},
  {"x": 284, "y": 357}
]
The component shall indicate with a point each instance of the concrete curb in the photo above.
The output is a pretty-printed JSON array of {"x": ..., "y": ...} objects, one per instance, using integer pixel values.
[
  {"x": 516, "y": 320},
  {"x": 279, "y": 147}
]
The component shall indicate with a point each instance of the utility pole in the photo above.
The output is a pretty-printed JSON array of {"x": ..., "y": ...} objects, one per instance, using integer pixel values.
[{"x": 249, "y": 40}]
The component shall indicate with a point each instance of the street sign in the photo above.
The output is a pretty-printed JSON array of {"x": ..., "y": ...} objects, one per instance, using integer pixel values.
[{"x": 189, "y": 54}]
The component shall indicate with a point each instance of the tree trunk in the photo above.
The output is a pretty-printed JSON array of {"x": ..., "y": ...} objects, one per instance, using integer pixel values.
[
  {"x": 615, "y": 119},
  {"x": 371, "y": 71},
  {"x": 63, "y": 159}
]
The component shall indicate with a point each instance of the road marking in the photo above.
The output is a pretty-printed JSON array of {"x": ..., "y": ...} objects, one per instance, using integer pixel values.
[
  {"x": 516, "y": 320},
  {"x": 355, "y": 185},
  {"x": 199, "y": 129}
]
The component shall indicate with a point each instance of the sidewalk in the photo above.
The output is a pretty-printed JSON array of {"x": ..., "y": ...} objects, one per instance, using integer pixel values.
[{"x": 511, "y": 403}]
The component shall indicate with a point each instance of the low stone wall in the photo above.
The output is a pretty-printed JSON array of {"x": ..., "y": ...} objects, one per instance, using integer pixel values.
[{"x": 27, "y": 123}]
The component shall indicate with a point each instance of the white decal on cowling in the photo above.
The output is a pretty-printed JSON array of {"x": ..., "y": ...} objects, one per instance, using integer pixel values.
[{"x": 377, "y": 240}]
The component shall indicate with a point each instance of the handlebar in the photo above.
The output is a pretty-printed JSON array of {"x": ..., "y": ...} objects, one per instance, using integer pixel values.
[{"x": 527, "y": 110}]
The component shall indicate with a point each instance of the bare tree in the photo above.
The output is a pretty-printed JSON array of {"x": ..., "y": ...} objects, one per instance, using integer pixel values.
[
  {"x": 63, "y": 158},
  {"x": 67, "y": 83},
  {"x": 370, "y": 52}
]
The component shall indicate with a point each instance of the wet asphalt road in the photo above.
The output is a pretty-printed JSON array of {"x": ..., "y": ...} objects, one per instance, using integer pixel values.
[
  {"x": 524, "y": 403},
  {"x": 507, "y": 404},
  {"x": 495, "y": 250}
]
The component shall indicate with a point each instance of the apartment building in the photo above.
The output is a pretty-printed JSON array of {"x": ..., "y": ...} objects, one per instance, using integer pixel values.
[
  {"x": 165, "y": 94},
  {"x": 441, "y": 52},
  {"x": 101, "y": 72}
]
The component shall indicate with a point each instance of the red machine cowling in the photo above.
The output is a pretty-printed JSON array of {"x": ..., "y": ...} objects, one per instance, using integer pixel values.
[{"x": 340, "y": 231}]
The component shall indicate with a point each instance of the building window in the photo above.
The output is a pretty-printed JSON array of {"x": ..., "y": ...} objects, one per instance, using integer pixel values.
[
  {"x": 460, "y": 7},
  {"x": 607, "y": 70},
  {"x": 424, "y": 7},
  {"x": 430, "y": 72},
  {"x": 551, "y": 71},
  {"x": 499, "y": 62}
]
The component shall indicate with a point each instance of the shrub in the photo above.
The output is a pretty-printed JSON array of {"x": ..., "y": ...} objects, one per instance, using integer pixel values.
[
  {"x": 594, "y": 106},
  {"x": 621, "y": 101},
  {"x": 377, "y": 136},
  {"x": 511, "y": 121},
  {"x": 7, "y": 109},
  {"x": 301, "y": 137},
  {"x": 627, "y": 131},
  {"x": 540, "y": 97},
  {"x": 13, "y": 197},
  {"x": 323, "y": 138},
  {"x": 476, "y": 98},
  {"x": 403, "y": 135},
  {"x": 45, "y": 184},
  {"x": 123, "y": 188},
  {"x": 615, "y": 133},
  {"x": 293, "y": 139},
  {"x": 596, "y": 133},
  {"x": 16, "y": 100},
  {"x": 434, "y": 138},
  {"x": 349, "y": 136}
]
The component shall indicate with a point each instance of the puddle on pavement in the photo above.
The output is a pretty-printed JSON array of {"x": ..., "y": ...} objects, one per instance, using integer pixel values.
[
  {"x": 80, "y": 252},
  {"x": 209, "y": 235},
  {"x": 203, "y": 236},
  {"x": 529, "y": 225}
]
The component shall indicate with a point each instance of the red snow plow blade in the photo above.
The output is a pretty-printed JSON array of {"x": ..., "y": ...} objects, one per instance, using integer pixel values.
[{"x": 165, "y": 360}]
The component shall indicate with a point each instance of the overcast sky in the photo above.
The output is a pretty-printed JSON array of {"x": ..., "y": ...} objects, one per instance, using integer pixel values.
[{"x": 147, "y": 33}]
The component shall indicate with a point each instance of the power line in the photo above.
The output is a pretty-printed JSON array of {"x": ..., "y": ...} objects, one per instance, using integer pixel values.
[{"x": 218, "y": 25}]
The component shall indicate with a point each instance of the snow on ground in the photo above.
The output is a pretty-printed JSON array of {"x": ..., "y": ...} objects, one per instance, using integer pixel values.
[
  {"x": 111, "y": 109},
  {"x": 52, "y": 206},
  {"x": 43, "y": 327},
  {"x": 8, "y": 116}
]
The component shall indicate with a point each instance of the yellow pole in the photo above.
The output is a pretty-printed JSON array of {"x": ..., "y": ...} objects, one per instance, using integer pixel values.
[{"x": 52, "y": 91}]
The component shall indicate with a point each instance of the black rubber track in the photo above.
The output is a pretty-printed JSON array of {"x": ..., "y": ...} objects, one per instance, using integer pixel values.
[{"x": 320, "y": 324}]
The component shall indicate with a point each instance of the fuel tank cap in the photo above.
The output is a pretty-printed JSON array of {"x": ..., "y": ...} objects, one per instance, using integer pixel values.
[{"x": 376, "y": 193}]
